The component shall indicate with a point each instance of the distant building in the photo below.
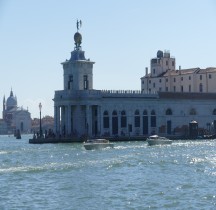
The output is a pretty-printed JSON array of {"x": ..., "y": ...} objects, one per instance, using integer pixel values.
[
  {"x": 163, "y": 77},
  {"x": 168, "y": 101},
  {"x": 47, "y": 123},
  {"x": 14, "y": 117}
]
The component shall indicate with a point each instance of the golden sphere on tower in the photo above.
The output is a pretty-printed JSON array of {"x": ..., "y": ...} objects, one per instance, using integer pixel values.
[{"x": 78, "y": 38}]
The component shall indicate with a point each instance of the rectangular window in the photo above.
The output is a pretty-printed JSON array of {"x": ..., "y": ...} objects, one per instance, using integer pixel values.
[
  {"x": 182, "y": 89},
  {"x": 160, "y": 89},
  {"x": 166, "y": 79},
  {"x": 201, "y": 87},
  {"x": 173, "y": 63},
  {"x": 153, "y": 121},
  {"x": 95, "y": 112},
  {"x": 154, "y": 85},
  {"x": 106, "y": 122},
  {"x": 189, "y": 77},
  {"x": 174, "y": 88},
  {"x": 123, "y": 122},
  {"x": 174, "y": 79},
  {"x": 70, "y": 82},
  {"x": 210, "y": 76},
  {"x": 200, "y": 77},
  {"x": 85, "y": 80},
  {"x": 181, "y": 78},
  {"x": 137, "y": 121},
  {"x": 189, "y": 88},
  {"x": 166, "y": 89},
  {"x": 160, "y": 80},
  {"x": 153, "y": 71},
  {"x": 71, "y": 78},
  {"x": 149, "y": 81}
]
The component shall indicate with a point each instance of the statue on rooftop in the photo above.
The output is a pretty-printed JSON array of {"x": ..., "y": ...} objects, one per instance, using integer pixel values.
[{"x": 79, "y": 24}]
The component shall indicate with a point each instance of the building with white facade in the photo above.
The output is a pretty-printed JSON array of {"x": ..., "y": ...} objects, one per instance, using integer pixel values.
[
  {"x": 164, "y": 77},
  {"x": 160, "y": 107},
  {"x": 14, "y": 117}
]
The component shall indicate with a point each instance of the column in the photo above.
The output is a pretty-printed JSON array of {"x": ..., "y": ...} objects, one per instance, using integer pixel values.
[
  {"x": 57, "y": 120},
  {"x": 110, "y": 123},
  {"x": 62, "y": 131},
  {"x": 141, "y": 123},
  {"x": 66, "y": 119},
  {"x": 99, "y": 120},
  {"x": 119, "y": 123},
  {"x": 69, "y": 119},
  {"x": 89, "y": 120}
]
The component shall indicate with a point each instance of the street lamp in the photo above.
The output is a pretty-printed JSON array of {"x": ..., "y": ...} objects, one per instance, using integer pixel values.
[{"x": 40, "y": 107}]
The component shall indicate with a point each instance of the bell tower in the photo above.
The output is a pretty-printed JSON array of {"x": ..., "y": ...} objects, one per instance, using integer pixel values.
[{"x": 78, "y": 71}]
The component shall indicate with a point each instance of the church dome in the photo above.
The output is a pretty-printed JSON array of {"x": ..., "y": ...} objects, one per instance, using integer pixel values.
[{"x": 11, "y": 101}]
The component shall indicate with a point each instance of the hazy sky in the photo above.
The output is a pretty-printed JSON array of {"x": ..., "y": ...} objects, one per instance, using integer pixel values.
[{"x": 121, "y": 36}]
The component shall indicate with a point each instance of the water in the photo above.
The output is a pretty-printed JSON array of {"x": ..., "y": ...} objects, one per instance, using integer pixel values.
[{"x": 130, "y": 176}]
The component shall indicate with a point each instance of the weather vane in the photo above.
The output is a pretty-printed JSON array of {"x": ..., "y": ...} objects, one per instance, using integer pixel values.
[{"x": 79, "y": 24}]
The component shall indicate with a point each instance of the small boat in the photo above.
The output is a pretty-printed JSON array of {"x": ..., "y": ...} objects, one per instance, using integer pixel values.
[
  {"x": 92, "y": 144},
  {"x": 158, "y": 140}
]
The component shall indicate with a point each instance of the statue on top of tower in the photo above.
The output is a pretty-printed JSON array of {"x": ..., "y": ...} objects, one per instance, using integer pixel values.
[
  {"x": 78, "y": 36},
  {"x": 79, "y": 24}
]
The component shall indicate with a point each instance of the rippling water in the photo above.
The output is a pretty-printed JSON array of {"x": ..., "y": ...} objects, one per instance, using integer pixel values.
[{"x": 130, "y": 176}]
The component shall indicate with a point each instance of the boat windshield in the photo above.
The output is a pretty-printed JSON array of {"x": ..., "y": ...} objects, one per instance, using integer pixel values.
[{"x": 97, "y": 141}]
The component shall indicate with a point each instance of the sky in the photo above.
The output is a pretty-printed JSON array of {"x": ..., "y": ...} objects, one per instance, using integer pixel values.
[{"x": 120, "y": 36}]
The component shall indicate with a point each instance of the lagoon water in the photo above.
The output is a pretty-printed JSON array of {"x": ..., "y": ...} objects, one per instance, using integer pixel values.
[{"x": 133, "y": 175}]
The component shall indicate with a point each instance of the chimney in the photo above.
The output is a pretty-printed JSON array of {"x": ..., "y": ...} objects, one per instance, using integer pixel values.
[{"x": 146, "y": 71}]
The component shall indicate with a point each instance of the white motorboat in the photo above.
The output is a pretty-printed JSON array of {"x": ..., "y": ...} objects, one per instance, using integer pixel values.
[
  {"x": 158, "y": 140},
  {"x": 92, "y": 144}
]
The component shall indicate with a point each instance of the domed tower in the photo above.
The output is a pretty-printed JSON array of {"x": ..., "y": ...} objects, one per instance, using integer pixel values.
[
  {"x": 162, "y": 63},
  {"x": 11, "y": 102},
  {"x": 78, "y": 71}
]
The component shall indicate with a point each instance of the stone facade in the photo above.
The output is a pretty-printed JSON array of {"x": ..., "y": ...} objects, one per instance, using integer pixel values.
[
  {"x": 14, "y": 117},
  {"x": 164, "y": 77},
  {"x": 80, "y": 110}
]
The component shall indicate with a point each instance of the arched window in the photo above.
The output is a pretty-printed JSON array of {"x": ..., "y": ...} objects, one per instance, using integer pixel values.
[
  {"x": 169, "y": 112},
  {"x": 145, "y": 124},
  {"x": 214, "y": 112},
  {"x": 152, "y": 112},
  {"x": 145, "y": 112},
  {"x": 137, "y": 119},
  {"x": 114, "y": 112},
  {"x": 153, "y": 119},
  {"x": 123, "y": 113},
  {"x": 123, "y": 119},
  {"x": 106, "y": 119},
  {"x": 114, "y": 123}
]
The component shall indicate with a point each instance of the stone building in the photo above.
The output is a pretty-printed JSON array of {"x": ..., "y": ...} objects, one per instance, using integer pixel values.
[
  {"x": 14, "y": 117},
  {"x": 164, "y": 77},
  {"x": 80, "y": 110}
]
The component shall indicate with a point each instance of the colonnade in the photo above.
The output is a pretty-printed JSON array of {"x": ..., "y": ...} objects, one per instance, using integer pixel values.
[{"x": 77, "y": 120}]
